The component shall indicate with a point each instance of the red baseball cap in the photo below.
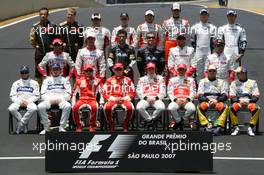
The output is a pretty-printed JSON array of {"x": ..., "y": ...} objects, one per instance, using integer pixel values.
[
  {"x": 88, "y": 66},
  {"x": 150, "y": 65},
  {"x": 181, "y": 66},
  {"x": 57, "y": 41},
  {"x": 118, "y": 65}
]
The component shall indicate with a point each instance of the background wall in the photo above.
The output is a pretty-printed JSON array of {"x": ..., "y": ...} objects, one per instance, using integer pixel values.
[{"x": 13, "y": 8}]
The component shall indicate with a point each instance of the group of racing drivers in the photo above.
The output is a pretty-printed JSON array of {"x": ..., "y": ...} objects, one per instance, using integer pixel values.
[{"x": 166, "y": 64}]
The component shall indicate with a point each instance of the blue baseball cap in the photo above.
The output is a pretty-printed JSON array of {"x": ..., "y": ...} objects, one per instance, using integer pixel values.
[
  {"x": 55, "y": 66},
  {"x": 24, "y": 69}
]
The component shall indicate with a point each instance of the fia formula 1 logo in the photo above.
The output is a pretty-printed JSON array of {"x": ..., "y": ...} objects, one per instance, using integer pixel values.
[{"x": 118, "y": 148}]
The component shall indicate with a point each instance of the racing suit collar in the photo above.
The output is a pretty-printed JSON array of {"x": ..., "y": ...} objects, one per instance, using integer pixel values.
[
  {"x": 153, "y": 76},
  {"x": 55, "y": 78},
  {"x": 176, "y": 18},
  {"x": 151, "y": 48},
  {"x": 182, "y": 76},
  {"x": 219, "y": 54},
  {"x": 211, "y": 79},
  {"x": 25, "y": 80},
  {"x": 124, "y": 27},
  {"x": 96, "y": 27},
  {"x": 72, "y": 24},
  {"x": 203, "y": 23},
  {"x": 243, "y": 81},
  {"x": 122, "y": 46},
  {"x": 149, "y": 23},
  {"x": 91, "y": 77},
  {"x": 181, "y": 48},
  {"x": 44, "y": 23},
  {"x": 119, "y": 77},
  {"x": 91, "y": 49},
  {"x": 57, "y": 53}
]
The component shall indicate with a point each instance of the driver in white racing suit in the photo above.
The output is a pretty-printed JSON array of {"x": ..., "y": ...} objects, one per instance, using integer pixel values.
[
  {"x": 225, "y": 67},
  {"x": 131, "y": 39},
  {"x": 151, "y": 89},
  {"x": 55, "y": 90},
  {"x": 181, "y": 91},
  {"x": 235, "y": 38},
  {"x": 102, "y": 34},
  {"x": 24, "y": 93},
  {"x": 91, "y": 55},
  {"x": 181, "y": 54},
  {"x": 172, "y": 27},
  {"x": 57, "y": 56},
  {"x": 203, "y": 34},
  {"x": 244, "y": 94},
  {"x": 149, "y": 26}
]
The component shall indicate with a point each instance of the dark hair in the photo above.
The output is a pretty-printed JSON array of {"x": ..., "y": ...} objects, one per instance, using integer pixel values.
[
  {"x": 122, "y": 31},
  {"x": 44, "y": 8}
]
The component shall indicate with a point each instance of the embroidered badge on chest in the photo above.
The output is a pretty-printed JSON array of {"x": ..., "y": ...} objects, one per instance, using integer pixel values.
[{"x": 83, "y": 83}]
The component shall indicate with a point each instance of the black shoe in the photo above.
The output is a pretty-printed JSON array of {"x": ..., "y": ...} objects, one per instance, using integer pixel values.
[
  {"x": 155, "y": 125},
  {"x": 217, "y": 131},
  {"x": 178, "y": 125},
  {"x": 148, "y": 124}
]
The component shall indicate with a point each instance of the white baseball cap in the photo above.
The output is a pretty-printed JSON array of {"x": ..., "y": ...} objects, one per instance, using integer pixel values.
[
  {"x": 96, "y": 16},
  {"x": 149, "y": 12},
  {"x": 90, "y": 35},
  {"x": 176, "y": 6},
  {"x": 212, "y": 67},
  {"x": 204, "y": 10},
  {"x": 231, "y": 12}
]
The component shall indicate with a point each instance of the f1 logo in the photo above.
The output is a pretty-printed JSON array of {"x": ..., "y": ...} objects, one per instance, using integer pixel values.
[{"x": 93, "y": 145}]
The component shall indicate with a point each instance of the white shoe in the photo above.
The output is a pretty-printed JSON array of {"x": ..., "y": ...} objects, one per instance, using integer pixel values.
[
  {"x": 61, "y": 129},
  {"x": 25, "y": 129},
  {"x": 43, "y": 132},
  {"x": 19, "y": 127},
  {"x": 250, "y": 132},
  {"x": 236, "y": 131}
]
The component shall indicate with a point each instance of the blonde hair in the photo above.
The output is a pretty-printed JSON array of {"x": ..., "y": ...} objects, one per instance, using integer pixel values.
[{"x": 73, "y": 10}]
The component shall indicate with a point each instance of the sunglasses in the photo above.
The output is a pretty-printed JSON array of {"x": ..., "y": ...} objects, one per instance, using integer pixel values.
[
  {"x": 119, "y": 69},
  {"x": 24, "y": 72},
  {"x": 181, "y": 39},
  {"x": 150, "y": 37},
  {"x": 212, "y": 71},
  {"x": 88, "y": 70}
]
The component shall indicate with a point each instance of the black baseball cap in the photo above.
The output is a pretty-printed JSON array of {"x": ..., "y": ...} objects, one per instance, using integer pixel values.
[
  {"x": 124, "y": 14},
  {"x": 24, "y": 69}
]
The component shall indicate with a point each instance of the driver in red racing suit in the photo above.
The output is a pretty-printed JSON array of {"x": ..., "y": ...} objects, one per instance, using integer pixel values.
[
  {"x": 88, "y": 86},
  {"x": 118, "y": 90}
]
